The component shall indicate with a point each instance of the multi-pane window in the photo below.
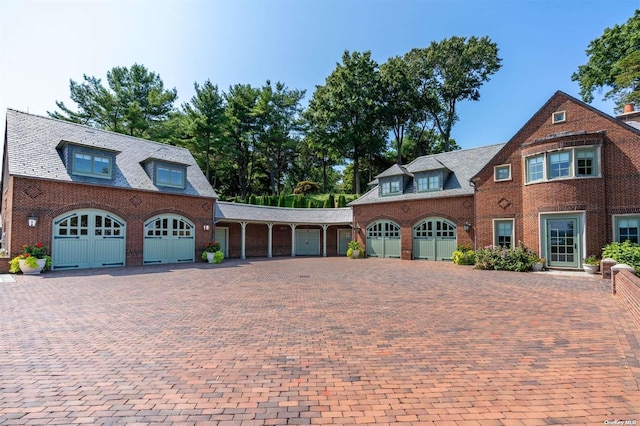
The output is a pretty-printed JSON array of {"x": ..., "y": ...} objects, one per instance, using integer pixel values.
[
  {"x": 170, "y": 176},
  {"x": 390, "y": 187},
  {"x": 586, "y": 162},
  {"x": 627, "y": 229},
  {"x": 430, "y": 182},
  {"x": 90, "y": 164},
  {"x": 502, "y": 172},
  {"x": 559, "y": 117},
  {"x": 535, "y": 168},
  {"x": 559, "y": 164},
  {"x": 503, "y": 233},
  {"x": 575, "y": 162}
]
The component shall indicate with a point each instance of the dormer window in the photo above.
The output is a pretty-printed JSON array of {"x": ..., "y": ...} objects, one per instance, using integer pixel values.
[
  {"x": 92, "y": 164},
  {"x": 171, "y": 175},
  {"x": 390, "y": 187},
  {"x": 429, "y": 182},
  {"x": 558, "y": 117}
]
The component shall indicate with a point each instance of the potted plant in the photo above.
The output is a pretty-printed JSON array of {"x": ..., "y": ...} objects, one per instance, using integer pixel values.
[
  {"x": 218, "y": 257},
  {"x": 32, "y": 259},
  {"x": 210, "y": 250},
  {"x": 538, "y": 263},
  {"x": 355, "y": 250},
  {"x": 591, "y": 264}
]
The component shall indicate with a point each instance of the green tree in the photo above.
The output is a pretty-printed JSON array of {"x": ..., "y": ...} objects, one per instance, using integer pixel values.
[
  {"x": 278, "y": 113},
  {"x": 242, "y": 129},
  {"x": 448, "y": 72},
  {"x": 348, "y": 109},
  {"x": 207, "y": 119},
  {"x": 614, "y": 62},
  {"x": 135, "y": 102}
]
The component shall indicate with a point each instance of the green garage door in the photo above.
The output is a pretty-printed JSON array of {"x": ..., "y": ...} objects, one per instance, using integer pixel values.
[
  {"x": 383, "y": 239},
  {"x": 221, "y": 238},
  {"x": 88, "y": 239},
  {"x": 434, "y": 239},
  {"x": 307, "y": 242},
  {"x": 168, "y": 239}
]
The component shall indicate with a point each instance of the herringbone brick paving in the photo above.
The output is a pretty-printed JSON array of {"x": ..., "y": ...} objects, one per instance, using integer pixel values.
[{"x": 315, "y": 341}]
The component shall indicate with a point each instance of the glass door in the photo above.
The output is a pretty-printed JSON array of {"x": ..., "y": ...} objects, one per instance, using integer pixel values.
[{"x": 562, "y": 242}]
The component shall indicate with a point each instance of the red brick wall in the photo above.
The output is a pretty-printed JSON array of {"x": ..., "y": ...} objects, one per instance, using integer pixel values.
[
  {"x": 408, "y": 213},
  {"x": 627, "y": 293},
  {"x": 49, "y": 199},
  {"x": 617, "y": 192},
  {"x": 257, "y": 238}
]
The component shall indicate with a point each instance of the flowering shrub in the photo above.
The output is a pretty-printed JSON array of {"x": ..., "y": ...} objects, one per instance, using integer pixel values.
[
  {"x": 518, "y": 258},
  {"x": 212, "y": 247}
]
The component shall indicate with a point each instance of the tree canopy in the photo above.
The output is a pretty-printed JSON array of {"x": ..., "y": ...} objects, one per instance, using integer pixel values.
[
  {"x": 260, "y": 140},
  {"x": 614, "y": 63}
]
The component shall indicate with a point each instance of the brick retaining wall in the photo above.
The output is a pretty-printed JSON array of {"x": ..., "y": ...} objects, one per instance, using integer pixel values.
[{"x": 626, "y": 289}]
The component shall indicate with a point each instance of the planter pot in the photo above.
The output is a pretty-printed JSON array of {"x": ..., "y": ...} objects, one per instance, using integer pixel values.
[
  {"x": 592, "y": 269},
  {"x": 28, "y": 270},
  {"x": 537, "y": 266},
  {"x": 210, "y": 257},
  {"x": 355, "y": 254}
]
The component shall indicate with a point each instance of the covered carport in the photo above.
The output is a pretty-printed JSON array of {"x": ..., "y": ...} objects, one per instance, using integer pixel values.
[{"x": 308, "y": 229}]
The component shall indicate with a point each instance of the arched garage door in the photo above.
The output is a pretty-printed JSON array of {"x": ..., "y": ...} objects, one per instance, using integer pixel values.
[
  {"x": 88, "y": 239},
  {"x": 168, "y": 238},
  {"x": 434, "y": 239},
  {"x": 383, "y": 239}
]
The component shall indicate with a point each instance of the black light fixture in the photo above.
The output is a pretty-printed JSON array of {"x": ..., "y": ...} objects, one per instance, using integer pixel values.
[
  {"x": 467, "y": 227},
  {"x": 32, "y": 221}
]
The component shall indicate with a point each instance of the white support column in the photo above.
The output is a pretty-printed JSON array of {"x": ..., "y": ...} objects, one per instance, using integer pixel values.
[
  {"x": 324, "y": 240},
  {"x": 293, "y": 239},
  {"x": 243, "y": 235},
  {"x": 270, "y": 240}
]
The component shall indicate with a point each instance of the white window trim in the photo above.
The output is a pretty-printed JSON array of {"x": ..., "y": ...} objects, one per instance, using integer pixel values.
[
  {"x": 513, "y": 230},
  {"x": 573, "y": 167},
  {"x": 495, "y": 173},
  {"x": 559, "y": 120}
]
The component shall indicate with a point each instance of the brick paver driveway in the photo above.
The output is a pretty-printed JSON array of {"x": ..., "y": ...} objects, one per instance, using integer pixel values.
[{"x": 315, "y": 341}]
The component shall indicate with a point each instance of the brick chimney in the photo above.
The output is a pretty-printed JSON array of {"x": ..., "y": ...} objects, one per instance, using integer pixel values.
[{"x": 629, "y": 113}]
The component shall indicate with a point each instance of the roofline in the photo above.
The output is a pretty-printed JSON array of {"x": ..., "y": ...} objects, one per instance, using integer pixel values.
[
  {"x": 571, "y": 98},
  {"x": 85, "y": 126}
]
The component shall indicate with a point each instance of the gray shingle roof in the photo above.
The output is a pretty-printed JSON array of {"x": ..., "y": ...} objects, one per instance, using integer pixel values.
[
  {"x": 41, "y": 136},
  {"x": 246, "y": 212},
  {"x": 394, "y": 170},
  {"x": 463, "y": 164}
]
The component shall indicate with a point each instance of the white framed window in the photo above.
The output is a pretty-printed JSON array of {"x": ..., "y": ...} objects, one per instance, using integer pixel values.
[
  {"x": 169, "y": 175},
  {"x": 502, "y": 172},
  {"x": 91, "y": 164},
  {"x": 559, "y": 117},
  {"x": 586, "y": 162},
  {"x": 559, "y": 164},
  {"x": 627, "y": 227},
  {"x": 503, "y": 235}
]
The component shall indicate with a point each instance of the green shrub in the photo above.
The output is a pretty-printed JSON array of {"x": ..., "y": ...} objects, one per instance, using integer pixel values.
[
  {"x": 281, "y": 201},
  {"x": 626, "y": 252},
  {"x": 466, "y": 257},
  {"x": 342, "y": 201},
  {"x": 518, "y": 259},
  {"x": 218, "y": 257},
  {"x": 330, "y": 202}
]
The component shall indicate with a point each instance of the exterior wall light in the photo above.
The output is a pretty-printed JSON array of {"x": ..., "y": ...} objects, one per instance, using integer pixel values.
[
  {"x": 32, "y": 221},
  {"x": 467, "y": 227},
  {"x": 206, "y": 227}
]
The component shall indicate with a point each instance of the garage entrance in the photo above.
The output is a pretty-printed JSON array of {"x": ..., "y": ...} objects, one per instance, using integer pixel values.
[
  {"x": 383, "y": 239},
  {"x": 88, "y": 239},
  {"x": 434, "y": 238},
  {"x": 307, "y": 242},
  {"x": 168, "y": 238}
]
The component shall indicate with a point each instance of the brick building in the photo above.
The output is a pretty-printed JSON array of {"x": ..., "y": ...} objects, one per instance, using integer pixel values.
[
  {"x": 99, "y": 198},
  {"x": 566, "y": 184}
]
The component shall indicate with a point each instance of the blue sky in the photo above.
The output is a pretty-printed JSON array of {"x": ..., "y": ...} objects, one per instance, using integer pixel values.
[{"x": 43, "y": 44}]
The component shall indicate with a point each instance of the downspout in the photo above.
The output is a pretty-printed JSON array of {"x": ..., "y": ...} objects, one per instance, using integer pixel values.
[{"x": 474, "y": 227}]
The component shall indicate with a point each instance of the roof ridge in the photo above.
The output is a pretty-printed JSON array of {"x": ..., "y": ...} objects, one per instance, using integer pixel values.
[{"x": 85, "y": 126}]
